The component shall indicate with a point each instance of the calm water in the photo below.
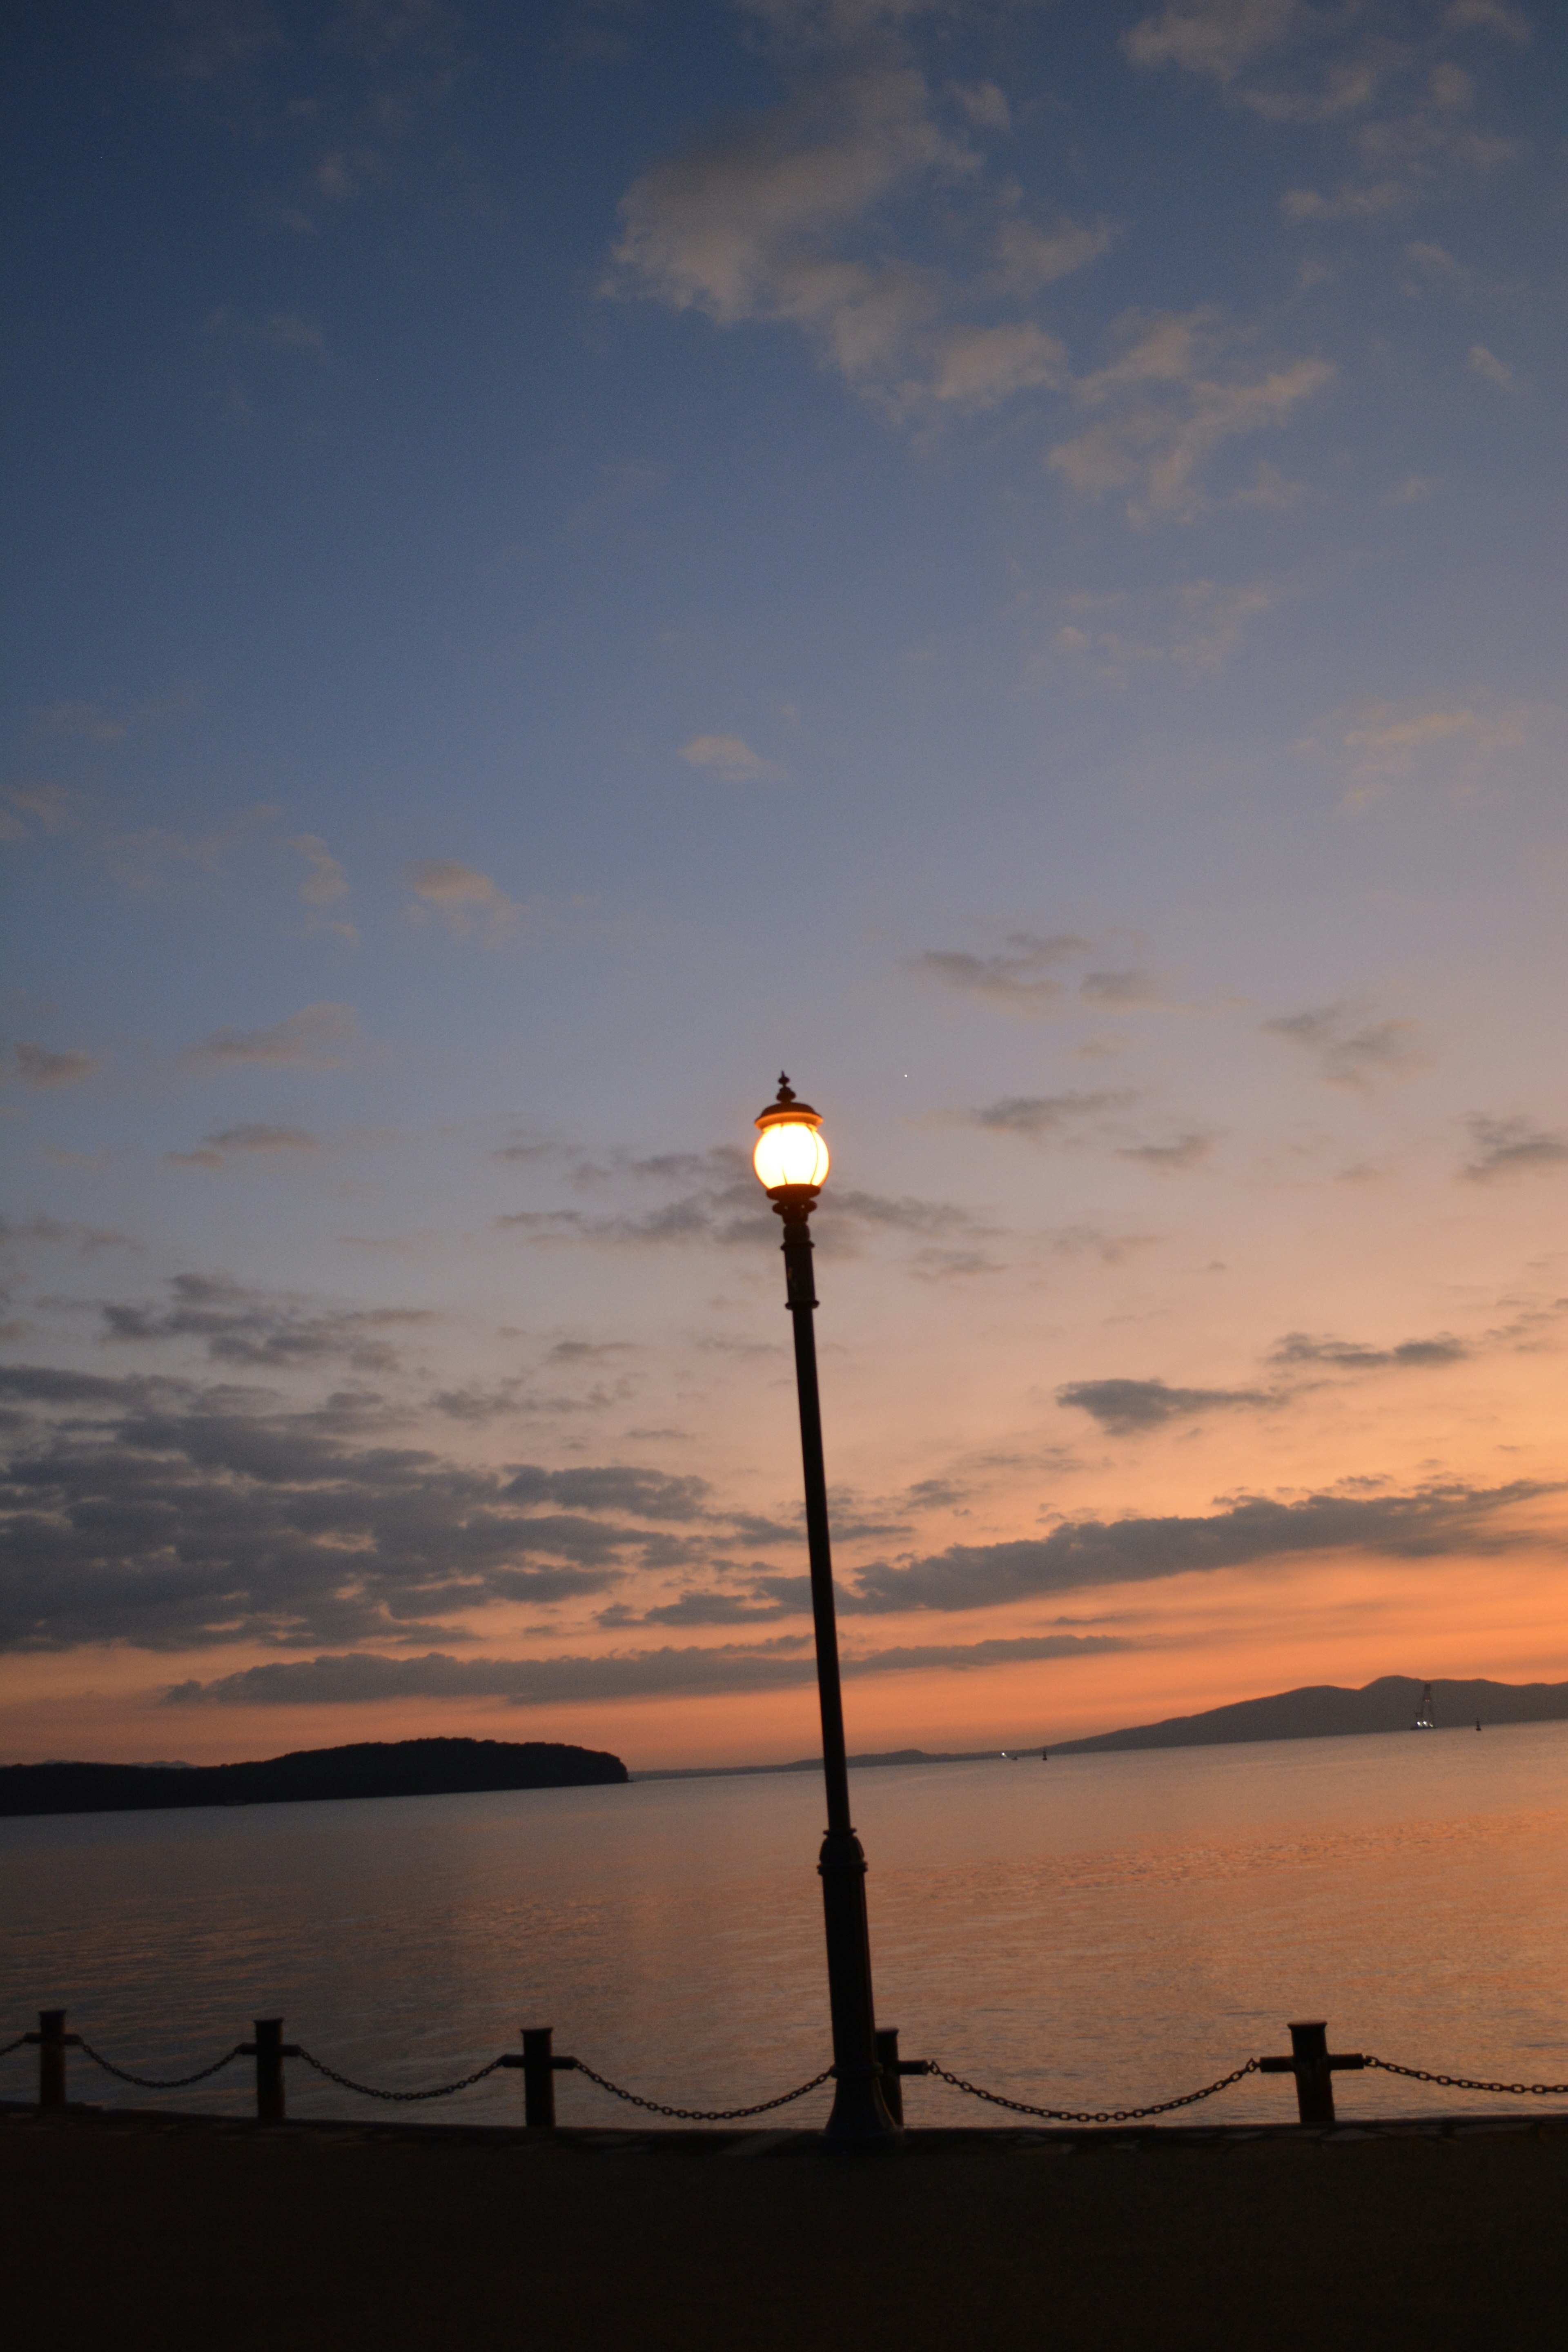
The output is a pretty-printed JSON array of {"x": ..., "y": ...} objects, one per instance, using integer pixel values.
[{"x": 1099, "y": 1930}]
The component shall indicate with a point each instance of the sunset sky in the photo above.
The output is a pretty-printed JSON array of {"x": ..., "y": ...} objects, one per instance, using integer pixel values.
[{"x": 1005, "y": 559}]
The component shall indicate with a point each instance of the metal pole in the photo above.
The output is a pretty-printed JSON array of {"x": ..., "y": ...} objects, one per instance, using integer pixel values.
[
  {"x": 859, "y": 2114},
  {"x": 270, "y": 2106},
  {"x": 51, "y": 2057}
]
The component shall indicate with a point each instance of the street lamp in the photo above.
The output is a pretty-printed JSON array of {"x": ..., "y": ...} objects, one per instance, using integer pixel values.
[{"x": 791, "y": 1161}]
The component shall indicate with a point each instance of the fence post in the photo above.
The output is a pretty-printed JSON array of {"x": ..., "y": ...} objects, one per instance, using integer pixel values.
[
  {"x": 1314, "y": 2082},
  {"x": 538, "y": 2078},
  {"x": 270, "y": 2106},
  {"x": 892, "y": 2081},
  {"x": 51, "y": 2057}
]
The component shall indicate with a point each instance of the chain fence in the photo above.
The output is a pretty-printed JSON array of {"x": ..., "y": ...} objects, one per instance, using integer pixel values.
[
  {"x": 1462, "y": 2082},
  {"x": 1089, "y": 2114},
  {"x": 785, "y": 2099},
  {"x": 704, "y": 2114},
  {"x": 401, "y": 2099},
  {"x": 151, "y": 2083}
]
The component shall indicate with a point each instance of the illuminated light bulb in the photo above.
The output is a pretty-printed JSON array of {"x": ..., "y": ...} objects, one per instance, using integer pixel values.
[{"x": 790, "y": 1154}]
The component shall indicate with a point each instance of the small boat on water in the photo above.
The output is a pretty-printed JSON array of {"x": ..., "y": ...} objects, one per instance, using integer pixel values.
[{"x": 1424, "y": 1712}]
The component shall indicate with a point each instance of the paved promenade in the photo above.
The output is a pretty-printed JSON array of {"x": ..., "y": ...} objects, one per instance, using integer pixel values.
[{"x": 234, "y": 2237}]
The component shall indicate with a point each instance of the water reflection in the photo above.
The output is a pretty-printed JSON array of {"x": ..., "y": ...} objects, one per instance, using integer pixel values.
[{"x": 1107, "y": 1929}]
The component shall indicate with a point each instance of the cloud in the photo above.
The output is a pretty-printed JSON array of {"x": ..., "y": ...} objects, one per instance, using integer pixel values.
[
  {"x": 1172, "y": 1159},
  {"x": 37, "y": 1065},
  {"x": 1437, "y": 263},
  {"x": 730, "y": 758},
  {"x": 747, "y": 225},
  {"x": 209, "y": 38},
  {"x": 1129, "y": 1408},
  {"x": 1215, "y": 37},
  {"x": 1513, "y": 1146},
  {"x": 1022, "y": 979},
  {"x": 164, "y": 1516},
  {"x": 1182, "y": 386},
  {"x": 467, "y": 902},
  {"x": 1438, "y": 1522},
  {"x": 66, "y": 1233},
  {"x": 1045, "y": 1117},
  {"x": 785, "y": 220},
  {"x": 239, "y": 1325},
  {"x": 320, "y": 1037},
  {"x": 1355, "y": 1356},
  {"x": 1300, "y": 204},
  {"x": 1030, "y": 256},
  {"x": 636, "y": 1673},
  {"x": 1350, "y": 1051},
  {"x": 1487, "y": 363},
  {"x": 325, "y": 883},
  {"x": 1487, "y": 16},
  {"x": 1113, "y": 637},
  {"x": 142, "y": 859},
  {"x": 249, "y": 1135},
  {"x": 1412, "y": 491},
  {"x": 50, "y": 807},
  {"x": 1388, "y": 89},
  {"x": 1452, "y": 741},
  {"x": 716, "y": 1197}
]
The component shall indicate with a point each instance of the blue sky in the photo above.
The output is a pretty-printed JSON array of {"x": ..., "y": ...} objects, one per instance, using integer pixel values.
[{"x": 1007, "y": 558}]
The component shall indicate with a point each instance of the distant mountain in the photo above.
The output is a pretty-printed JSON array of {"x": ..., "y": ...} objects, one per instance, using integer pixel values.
[
  {"x": 1322, "y": 1710},
  {"x": 399, "y": 1767},
  {"x": 813, "y": 1764}
]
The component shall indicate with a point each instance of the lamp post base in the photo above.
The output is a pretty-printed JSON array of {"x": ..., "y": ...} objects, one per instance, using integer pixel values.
[{"x": 859, "y": 2117}]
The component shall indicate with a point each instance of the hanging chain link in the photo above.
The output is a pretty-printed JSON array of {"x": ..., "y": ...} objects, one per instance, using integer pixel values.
[
  {"x": 147, "y": 2082},
  {"x": 787, "y": 2098},
  {"x": 1087, "y": 2115},
  {"x": 398, "y": 2098},
  {"x": 1462, "y": 2083},
  {"x": 704, "y": 2114}
]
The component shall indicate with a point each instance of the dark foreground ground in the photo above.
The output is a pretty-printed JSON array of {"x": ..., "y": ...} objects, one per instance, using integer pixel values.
[{"x": 178, "y": 2232}]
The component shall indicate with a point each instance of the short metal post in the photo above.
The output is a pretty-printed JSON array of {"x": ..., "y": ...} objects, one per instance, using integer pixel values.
[
  {"x": 892, "y": 2082},
  {"x": 538, "y": 2078},
  {"x": 270, "y": 2108},
  {"x": 51, "y": 2057},
  {"x": 1314, "y": 2082}
]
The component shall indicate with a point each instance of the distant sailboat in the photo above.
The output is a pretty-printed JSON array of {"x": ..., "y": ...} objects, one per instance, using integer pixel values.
[{"x": 1424, "y": 1712}]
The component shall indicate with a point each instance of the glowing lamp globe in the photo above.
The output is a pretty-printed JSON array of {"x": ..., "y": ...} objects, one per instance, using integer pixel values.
[{"x": 791, "y": 1155}]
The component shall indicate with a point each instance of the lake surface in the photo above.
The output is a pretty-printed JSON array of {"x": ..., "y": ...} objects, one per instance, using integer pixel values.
[{"x": 1098, "y": 1931}]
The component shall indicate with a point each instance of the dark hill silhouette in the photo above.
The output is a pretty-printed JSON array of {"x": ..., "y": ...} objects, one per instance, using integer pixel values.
[
  {"x": 400, "y": 1768},
  {"x": 1323, "y": 1709}
]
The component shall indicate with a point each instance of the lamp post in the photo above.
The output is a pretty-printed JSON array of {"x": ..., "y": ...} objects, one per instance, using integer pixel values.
[{"x": 791, "y": 1161}]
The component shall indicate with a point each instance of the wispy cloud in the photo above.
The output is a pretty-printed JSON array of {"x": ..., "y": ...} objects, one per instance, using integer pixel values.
[
  {"x": 1047, "y": 1117},
  {"x": 1513, "y": 1146},
  {"x": 1348, "y": 1050},
  {"x": 1022, "y": 978},
  {"x": 1183, "y": 384},
  {"x": 1129, "y": 1408},
  {"x": 44, "y": 1066},
  {"x": 469, "y": 904},
  {"x": 250, "y": 1135},
  {"x": 322, "y": 1036},
  {"x": 1355, "y": 1356},
  {"x": 324, "y": 885},
  {"x": 1487, "y": 363},
  {"x": 1438, "y": 1522},
  {"x": 730, "y": 758}
]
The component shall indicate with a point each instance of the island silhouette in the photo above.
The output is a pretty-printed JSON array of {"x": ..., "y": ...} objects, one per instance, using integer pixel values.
[{"x": 372, "y": 1768}]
